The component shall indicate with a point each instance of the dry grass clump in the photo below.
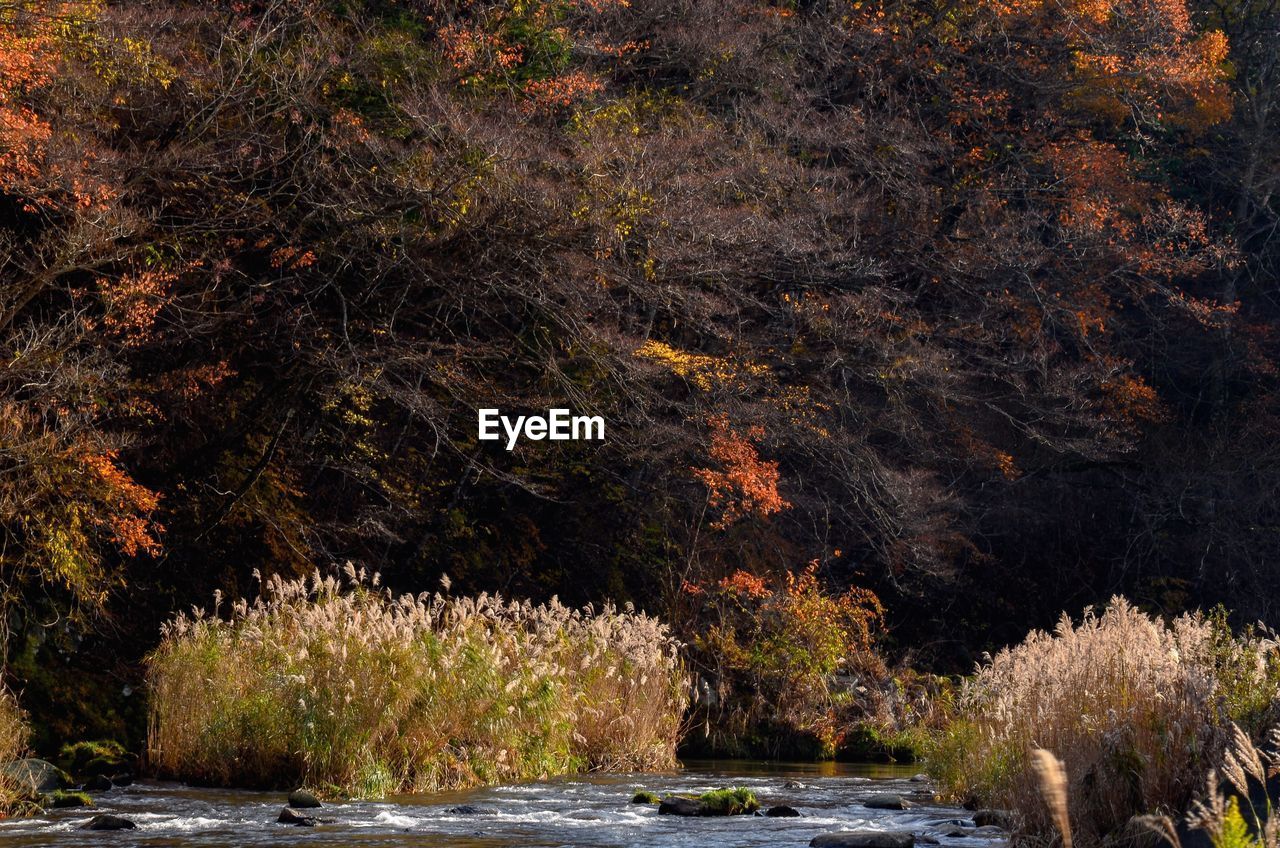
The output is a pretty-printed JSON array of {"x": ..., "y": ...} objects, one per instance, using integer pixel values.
[
  {"x": 1137, "y": 709},
  {"x": 342, "y": 685},
  {"x": 1218, "y": 813},
  {"x": 14, "y": 796}
]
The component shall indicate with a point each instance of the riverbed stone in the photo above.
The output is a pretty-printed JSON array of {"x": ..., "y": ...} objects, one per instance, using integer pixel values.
[
  {"x": 696, "y": 807},
  {"x": 864, "y": 839},
  {"x": 301, "y": 799},
  {"x": 99, "y": 783},
  {"x": 468, "y": 810},
  {"x": 1002, "y": 819},
  {"x": 782, "y": 811},
  {"x": 682, "y": 807},
  {"x": 291, "y": 816},
  {"x": 106, "y": 821},
  {"x": 887, "y": 802}
]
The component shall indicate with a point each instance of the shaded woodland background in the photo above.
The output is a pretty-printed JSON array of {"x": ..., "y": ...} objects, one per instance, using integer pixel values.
[{"x": 970, "y": 303}]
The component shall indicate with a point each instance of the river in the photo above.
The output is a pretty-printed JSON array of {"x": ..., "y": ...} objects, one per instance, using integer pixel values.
[{"x": 591, "y": 811}]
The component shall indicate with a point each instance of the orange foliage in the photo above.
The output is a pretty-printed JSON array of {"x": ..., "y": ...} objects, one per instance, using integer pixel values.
[
  {"x": 129, "y": 506},
  {"x": 1127, "y": 399},
  {"x": 292, "y": 258},
  {"x": 35, "y": 165},
  {"x": 474, "y": 51},
  {"x": 1101, "y": 195},
  {"x": 987, "y": 454},
  {"x": 27, "y": 61},
  {"x": 560, "y": 91},
  {"x": 132, "y": 302},
  {"x": 191, "y": 383},
  {"x": 744, "y": 484},
  {"x": 744, "y": 583},
  {"x": 526, "y": 50}
]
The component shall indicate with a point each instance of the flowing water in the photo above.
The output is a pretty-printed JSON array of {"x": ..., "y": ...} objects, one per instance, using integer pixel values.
[{"x": 589, "y": 811}]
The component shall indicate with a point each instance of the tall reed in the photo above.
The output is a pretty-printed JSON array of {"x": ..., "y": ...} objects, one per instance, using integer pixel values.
[
  {"x": 14, "y": 794},
  {"x": 1135, "y": 708},
  {"x": 340, "y": 685},
  {"x": 1241, "y": 777}
]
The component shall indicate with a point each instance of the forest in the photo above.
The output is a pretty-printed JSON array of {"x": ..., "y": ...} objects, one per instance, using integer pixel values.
[{"x": 913, "y": 325}]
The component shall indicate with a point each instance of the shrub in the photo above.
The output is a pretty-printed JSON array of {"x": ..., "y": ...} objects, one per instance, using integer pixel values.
[
  {"x": 868, "y": 742},
  {"x": 14, "y": 797},
  {"x": 348, "y": 687},
  {"x": 85, "y": 759},
  {"x": 1136, "y": 709},
  {"x": 782, "y": 662}
]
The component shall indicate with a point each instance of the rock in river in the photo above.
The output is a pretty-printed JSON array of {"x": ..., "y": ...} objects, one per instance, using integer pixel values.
[
  {"x": 301, "y": 799},
  {"x": 682, "y": 807},
  {"x": 887, "y": 802},
  {"x": 290, "y": 816},
  {"x": 108, "y": 822},
  {"x": 468, "y": 810},
  {"x": 61, "y": 800},
  {"x": 782, "y": 811},
  {"x": 864, "y": 839},
  {"x": 993, "y": 818},
  {"x": 99, "y": 783}
]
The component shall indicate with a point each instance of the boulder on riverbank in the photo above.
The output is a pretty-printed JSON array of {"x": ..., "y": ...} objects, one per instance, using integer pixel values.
[
  {"x": 98, "y": 783},
  {"x": 864, "y": 839},
  {"x": 887, "y": 802},
  {"x": 108, "y": 822},
  {"x": 35, "y": 775}
]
